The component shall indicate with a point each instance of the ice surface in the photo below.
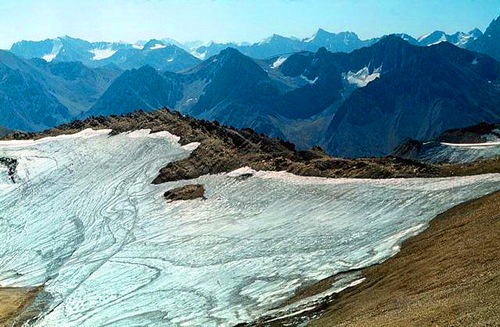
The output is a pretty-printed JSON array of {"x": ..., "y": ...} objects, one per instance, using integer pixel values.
[
  {"x": 85, "y": 220},
  {"x": 100, "y": 54},
  {"x": 460, "y": 153},
  {"x": 278, "y": 62}
]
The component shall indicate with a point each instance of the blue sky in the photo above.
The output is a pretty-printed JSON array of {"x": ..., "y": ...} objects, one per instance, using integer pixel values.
[{"x": 233, "y": 20}]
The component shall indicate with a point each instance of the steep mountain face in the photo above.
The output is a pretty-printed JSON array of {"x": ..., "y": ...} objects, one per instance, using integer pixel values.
[
  {"x": 489, "y": 42},
  {"x": 25, "y": 103},
  {"x": 145, "y": 88},
  {"x": 421, "y": 92},
  {"x": 38, "y": 95},
  {"x": 156, "y": 53},
  {"x": 363, "y": 103},
  {"x": 460, "y": 39}
]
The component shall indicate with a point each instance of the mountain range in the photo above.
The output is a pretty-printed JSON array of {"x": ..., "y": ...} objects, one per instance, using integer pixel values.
[
  {"x": 160, "y": 54},
  {"x": 359, "y": 104},
  {"x": 362, "y": 103},
  {"x": 36, "y": 94},
  {"x": 168, "y": 54}
]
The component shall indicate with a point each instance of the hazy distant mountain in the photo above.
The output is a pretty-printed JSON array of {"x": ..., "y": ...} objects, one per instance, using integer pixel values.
[
  {"x": 155, "y": 53},
  {"x": 160, "y": 54},
  {"x": 459, "y": 39},
  {"x": 334, "y": 42},
  {"x": 36, "y": 95},
  {"x": 378, "y": 95},
  {"x": 278, "y": 45},
  {"x": 489, "y": 42},
  {"x": 66, "y": 49}
]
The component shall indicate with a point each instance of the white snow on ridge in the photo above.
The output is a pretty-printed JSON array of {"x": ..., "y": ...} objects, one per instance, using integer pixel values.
[
  {"x": 362, "y": 77},
  {"x": 441, "y": 39},
  {"x": 100, "y": 54},
  {"x": 85, "y": 218}
]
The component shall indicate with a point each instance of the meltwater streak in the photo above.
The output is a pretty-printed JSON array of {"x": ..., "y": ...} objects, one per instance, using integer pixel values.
[{"x": 85, "y": 220}]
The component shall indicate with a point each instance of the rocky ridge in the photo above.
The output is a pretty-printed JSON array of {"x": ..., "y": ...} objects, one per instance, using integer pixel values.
[{"x": 223, "y": 149}]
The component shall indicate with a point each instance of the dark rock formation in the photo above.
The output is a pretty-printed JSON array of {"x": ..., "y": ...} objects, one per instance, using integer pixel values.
[
  {"x": 472, "y": 134},
  {"x": 11, "y": 165},
  {"x": 186, "y": 192}
]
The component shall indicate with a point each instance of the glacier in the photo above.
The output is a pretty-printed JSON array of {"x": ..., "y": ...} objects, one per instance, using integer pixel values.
[
  {"x": 435, "y": 152},
  {"x": 84, "y": 219}
]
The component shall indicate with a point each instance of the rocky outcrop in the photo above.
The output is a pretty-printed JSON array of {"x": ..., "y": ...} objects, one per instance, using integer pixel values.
[
  {"x": 187, "y": 192},
  {"x": 11, "y": 165},
  {"x": 473, "y": 134}
]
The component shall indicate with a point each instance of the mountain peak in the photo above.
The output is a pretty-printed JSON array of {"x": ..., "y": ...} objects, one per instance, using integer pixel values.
[
  {"x": 322, "y": 31},
  {"x": 229, "y": 52},
  {"x": 154, "y": 44}
]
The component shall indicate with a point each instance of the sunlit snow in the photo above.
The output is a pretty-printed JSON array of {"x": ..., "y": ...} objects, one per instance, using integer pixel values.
[
  {"x": 278, "y": 62},
  {"x": 56, "y": 48},
  {"x": 84, "y": 219},
  {"x": 460, "y": 153},
  {"x": 362, "y": 77},
  {"x": 100, "y": 54},
  {"x": 158, "y": 46}
]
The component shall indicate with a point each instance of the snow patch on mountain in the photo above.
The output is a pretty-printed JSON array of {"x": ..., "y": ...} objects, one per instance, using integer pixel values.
[
  {"x": 278, "y": 62},
  {"x": 100, "y": 54},
  {"x": 56, "y": 48},
  {"x": 199, "y": 55},
  {"x": 362, "y": 77},
  {"x": 310, "y": 81},
  {"x": 158, "y": 46}
]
